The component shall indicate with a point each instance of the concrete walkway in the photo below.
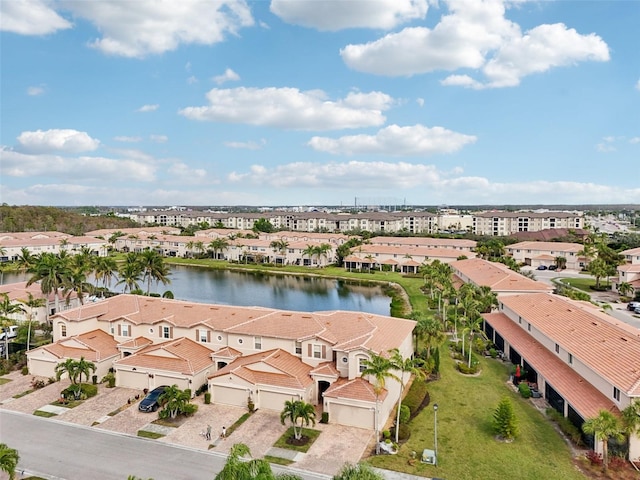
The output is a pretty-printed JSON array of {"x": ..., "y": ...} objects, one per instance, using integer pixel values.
[{"x": 285, "y": 453}]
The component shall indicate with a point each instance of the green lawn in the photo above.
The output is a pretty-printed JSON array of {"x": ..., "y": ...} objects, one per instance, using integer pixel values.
[
  {"x": 466, "y": 445},
  {"x": 152, "y": 435},
  {"x": 584, "y": 284},
  {"x": 306, "y": 432},
  {"x": 4, "y": 380},
  {"x": 42, "y": 413}
]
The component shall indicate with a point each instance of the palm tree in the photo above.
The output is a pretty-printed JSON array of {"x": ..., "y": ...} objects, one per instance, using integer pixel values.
[
  {"x": 9, "y": 459},
  {"x": 52, "y": 271},
  {"x": 84, "y": 367},
  {"x": 379, "y": 368},
  {"x": 625, "y": 289},
  {"x": 77, "y": 283},
  {"x": 130, "y": 273},
  {"x": 7, "y": 307},
  {"x": 603, "y": 427},
  {"x": 173, "y": 401},
  {"x": 218, "y": 244},
  {"x": 237, "y": 468},
  {"x": 32, "y": 303},
  {"x": 298, "y": 410},
  {"x": 631, "y": 419},
  {"x": 561, "y": 263},
  {"x": 310, "y": 251},
  {"x": 322, "y": 250},
  {"x": 153, "y": 268},
  {"x": 105, "y": 270},
  {"x": 25, "y": 260},
  {"x": 70, "y": 367},
  {"x": 404, "y": 365}
]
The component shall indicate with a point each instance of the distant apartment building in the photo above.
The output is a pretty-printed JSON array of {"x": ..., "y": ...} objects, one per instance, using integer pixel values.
[
  {"x": 48, "y": 242},
  {"x": 629, "y": 272},
  {"x": 546, "y": 253},
  {"x": 500, "y": 223}
]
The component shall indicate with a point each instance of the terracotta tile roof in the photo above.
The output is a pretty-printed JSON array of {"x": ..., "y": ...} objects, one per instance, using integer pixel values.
[
  {"x": 629, "y": 267},
  {"x": 425, "y": 242},
  {"x": 227, "y": 352},
  {"x": 183, "y": 356},
  {"x": 94, "y": 346},
  {"x": 497, "y": 276},
  {"x": 631, "y": 251},
  {"x": 356, "y": 389},
  {"x": 273, "y": 367},
  {"x": 326, "y": 369},
  {"x": 583, "y": 397},
  {"x": 137, "y": 342},
  {"x": 281, "y": 324},
  {"x": 19, "y": 292},
  {"x": 608, "y": 347},
  {"x": 565, "y": 247}
]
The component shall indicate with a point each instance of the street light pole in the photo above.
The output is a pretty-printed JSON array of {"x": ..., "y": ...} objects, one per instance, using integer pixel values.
[{"x": 435, "y": 431}]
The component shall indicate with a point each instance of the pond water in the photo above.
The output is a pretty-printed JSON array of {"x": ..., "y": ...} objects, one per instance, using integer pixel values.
[{"x": 286, "y": 292}]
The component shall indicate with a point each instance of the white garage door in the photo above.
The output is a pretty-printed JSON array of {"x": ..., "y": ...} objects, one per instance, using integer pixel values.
[
  {"x": 230, "y": 396},
  {"x": 273, "y": 401},
  {"x": 130, "y": 379},
  {"x": 351, "y": 416}
]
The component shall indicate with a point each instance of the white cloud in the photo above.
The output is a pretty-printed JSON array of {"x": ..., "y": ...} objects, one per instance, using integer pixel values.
[
  {"x": 634, "y": 140},
  {"x": 250, "y": 145},
  {"x": 57, "y": 140},
  {"x": 148, "y": 108},
  {"x": 127, "y": 139},
  {"x": 182, "y": 172},
  {"x": 30, "y": 17},
  {"x": 338, "y": 15},
  {"x": 291, "y": 108},
  {"x": 605, "y": 147},
  {"x": 35, "y": 91},
  {"x": 638, "y": 85},
  {"x": 228, "y": 76},
  {"x": 159, "y": 138},
  {"x": 394, "y": 140},
  {"x": 99, "y": 169},
  {"x": 420, "y": 101},
  {"x": 191, "y": 80},
  {"x": 148, "y": 27},
  {"x": 477, "y": 36}
]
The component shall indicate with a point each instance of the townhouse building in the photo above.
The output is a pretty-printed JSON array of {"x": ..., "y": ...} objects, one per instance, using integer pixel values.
[
  {"x": 501, "y": 223},
  {"x": 48, "y": 242},
  {"x": 546, "y": 253},
  {"x": 629, "y": 272},
  {"x": 581, "y": 359},
  {"x": 19, "y": 293},
  {"x": 241, "y": 353}
]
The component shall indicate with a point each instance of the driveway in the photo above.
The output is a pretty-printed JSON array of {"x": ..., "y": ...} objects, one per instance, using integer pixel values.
[{"x": 110, "y": 410}]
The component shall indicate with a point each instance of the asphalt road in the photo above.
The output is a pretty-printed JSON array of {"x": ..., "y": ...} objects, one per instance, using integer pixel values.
[{"x": 62, "y": 451}]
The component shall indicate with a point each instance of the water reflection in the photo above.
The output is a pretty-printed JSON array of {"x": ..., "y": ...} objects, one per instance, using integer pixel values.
[{"x": 286, "y": 292}]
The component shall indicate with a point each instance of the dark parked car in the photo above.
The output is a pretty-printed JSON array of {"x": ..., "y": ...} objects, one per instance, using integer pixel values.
[
  {"x": 150, "y": 402},
  {"x": 553, "y": 267},
  {"x": 542, "y": 267}
]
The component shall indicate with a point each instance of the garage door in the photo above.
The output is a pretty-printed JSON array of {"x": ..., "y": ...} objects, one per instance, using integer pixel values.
[
  {"x": 130, "y": 379},
  {"x": 351, "y": 416},
  {"x": 164, "y": 380},
  {"x": 273, "y": 401},
  {"x": 230, "y": 396}
]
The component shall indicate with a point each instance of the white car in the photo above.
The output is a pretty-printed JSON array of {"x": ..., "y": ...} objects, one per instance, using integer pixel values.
[{"x": 11, "y": 332}]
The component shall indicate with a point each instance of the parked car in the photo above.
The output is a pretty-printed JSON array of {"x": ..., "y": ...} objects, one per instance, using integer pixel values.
[
  {"x": 636, "y": 310},
  {"x": 11, "y": 332},
  {"x": 150, "y": 403},
  {"x": 553, "y": 267},
  {"x": 542, "y": 267},
  {"x": 631, "y": 306}
]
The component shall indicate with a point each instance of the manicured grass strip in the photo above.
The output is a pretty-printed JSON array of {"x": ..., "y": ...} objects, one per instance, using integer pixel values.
[
  {"x": 69, "y": 404},
  {"x": 22, "y": 394},
  {"x": 584, "y": 284},
  {"x": 306, "y": 432},
  {"x": 4, "y": 380},
  {"x": 153, "y": 435},
  {"x": 278, "y": 460},
  {"x": 41, "y": 413},
  {"x": 467, "y": 448},
  {"x": 238, "y": 422}
]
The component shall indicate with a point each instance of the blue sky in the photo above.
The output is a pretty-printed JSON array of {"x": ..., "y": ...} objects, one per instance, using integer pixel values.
[{"x": 319, "y": 102}]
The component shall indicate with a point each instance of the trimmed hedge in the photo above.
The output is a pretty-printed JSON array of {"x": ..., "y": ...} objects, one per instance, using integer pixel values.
[{"x": 417, "y": 397}]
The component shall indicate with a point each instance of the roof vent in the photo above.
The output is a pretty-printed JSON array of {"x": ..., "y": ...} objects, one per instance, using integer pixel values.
[
  {"x": 624, "y": 339},
  {"x": 594, "y": 323}
]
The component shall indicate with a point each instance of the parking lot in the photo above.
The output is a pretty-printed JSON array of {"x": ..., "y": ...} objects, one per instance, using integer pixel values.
[{"x": 111, "y": 410}]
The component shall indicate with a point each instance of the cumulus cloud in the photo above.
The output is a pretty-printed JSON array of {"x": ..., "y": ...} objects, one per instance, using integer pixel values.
[
  {"x": 148, "y": 108},
  {"x": 476, "y": 36},
  {"x": 291, "y": 108},
  {"x": 100, "y": 169},
  {"x": 181, "y": 171},
  {"x": 31, "y": 17},
  {"x": 416, "y": 140},
  {"x": 638, "y": 85},
  {"x": 250, "y": 145},
  {"x": 57, "y": 140},
  {"x": 420, "y": 101},
  {"x": 192, "y": 80},
  {"x": 634, "y": 140},
  {"x": 339, "y": 15},
  {"x": 159, "y": 138},
  {"x": 149, "y": 27},
  {"x": 228, "y": 76},
  {"x": 127, "y": 139},
  {"x": 35, "y": 91}
]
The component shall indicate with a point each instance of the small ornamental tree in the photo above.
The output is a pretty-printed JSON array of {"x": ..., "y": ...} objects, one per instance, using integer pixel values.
[{"x": 504, "y": 420}]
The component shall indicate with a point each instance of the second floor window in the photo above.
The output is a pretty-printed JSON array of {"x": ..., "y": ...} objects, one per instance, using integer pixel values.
[
  {"x": 298, "y": 348},
  {"x": 257, "y": 343}
]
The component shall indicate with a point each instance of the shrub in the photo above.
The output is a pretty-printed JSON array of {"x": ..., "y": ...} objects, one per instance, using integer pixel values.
[
  {"x": 25, "y": 370},
  {"x": 207, "y": 398},
  {"x": 594, "y": 458},
  {"x": 504, "y": 420},
  {"x": 37, "y": 383},
  {"x": 493, "y": 352},
  {"x": 617, "y": 463},
  {"x": 416, "y": 396},
  {"x": 405, "y": 414},
  {"x": 565, "y": 425},
  {"x": 524, "y": 389},
  {"x": 464, "y": 368},
  {"x": 325, "y": 417},
  {"x": 110, "y": 379},
  {"x": 189, "y": 409},
  {"x": 404, "y": 432},
  {"x": 386, "y": 434},
  {"x": 80, "y": 392}
]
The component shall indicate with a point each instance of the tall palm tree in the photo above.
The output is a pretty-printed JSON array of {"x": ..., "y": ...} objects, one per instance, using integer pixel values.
[
  {"x": 53, "y": 272},
  {"x": 238, "y": 468},
  {"x": 9, "y": 459},
  {"x": 70, "y": 367},
  {"x": 379, "y": 368},
  {"x": 298, "y": 411},
  {"x": 625, "y": 289},
  {"x": 631, "y": 419},
  {"x": 84, "y": 367},
  {"x": 405, "y": 366},
  {"x": 603, "y": 427},
  {"x": 310, "y": 252},
  {"x": 25, "y": 259},
  {"x": 154, "y": 268},
  {"x": 130, "y": 273},
  {"x": 105, "y": 270},
  {"x": 322, "y": 250},
  {"x": 33, "y": 303},
  {"x": 7, "y": 308},
  {"x": 218, "y": 245}
]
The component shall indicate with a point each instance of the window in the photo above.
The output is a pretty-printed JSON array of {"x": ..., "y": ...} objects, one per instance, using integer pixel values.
[
  {"x": 570, "y": 359},
  {"x": 616, "y": 394},
  {"x": 557, "y": 348},
  {"x": 345, "y": 359},
  {"x": 63, "y": 330},
  {"x": 362, "y": 364},
  {"x": 219, "y": 337},
  {"x": 257, "y": 343},
  {"x": 298, "y": 348},
  {"x": 240, "y": 341},
  {"x": 124, "y": 330},
  {"x": 520, "y": 320},
  {"x": 165, "y": 332},
  {"x": 528, "y": 327},
  {"x": 203, "y": 336},
  {"x": 317, "y": 351}
]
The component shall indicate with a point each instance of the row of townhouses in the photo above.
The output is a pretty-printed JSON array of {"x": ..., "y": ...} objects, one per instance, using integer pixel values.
[
  {"x": 495, "y": 223},
  {"x": 582, "y": 359}
]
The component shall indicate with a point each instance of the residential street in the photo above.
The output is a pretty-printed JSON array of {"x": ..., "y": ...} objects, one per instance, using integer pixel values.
[{"x": 58, "y": 450}]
